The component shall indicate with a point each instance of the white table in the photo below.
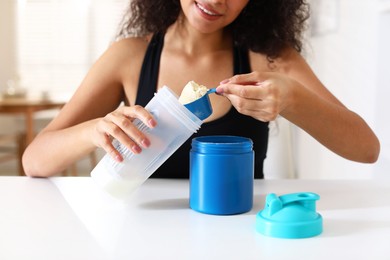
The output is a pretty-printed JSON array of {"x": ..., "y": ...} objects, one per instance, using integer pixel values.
[{"x": 70, "y": 218}]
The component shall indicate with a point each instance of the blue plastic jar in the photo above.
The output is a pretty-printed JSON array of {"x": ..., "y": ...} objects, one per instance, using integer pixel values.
[{"x": 221, "y": 174}]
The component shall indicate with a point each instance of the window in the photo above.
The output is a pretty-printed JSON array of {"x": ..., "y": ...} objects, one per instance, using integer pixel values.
[{"x": 58, "y": 40}]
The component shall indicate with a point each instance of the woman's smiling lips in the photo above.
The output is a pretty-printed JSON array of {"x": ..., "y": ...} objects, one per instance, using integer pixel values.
[{"x": 207, "y": 12}]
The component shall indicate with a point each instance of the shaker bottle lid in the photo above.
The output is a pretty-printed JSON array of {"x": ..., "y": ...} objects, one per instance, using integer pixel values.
[{"x": 290, "y": 216}]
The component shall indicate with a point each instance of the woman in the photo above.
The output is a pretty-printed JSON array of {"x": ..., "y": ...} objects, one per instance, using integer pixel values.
[{"x": 249, "y": 49}]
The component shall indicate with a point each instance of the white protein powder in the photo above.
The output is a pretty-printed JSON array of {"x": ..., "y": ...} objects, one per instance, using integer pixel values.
[{"x": 191, "y": 92}]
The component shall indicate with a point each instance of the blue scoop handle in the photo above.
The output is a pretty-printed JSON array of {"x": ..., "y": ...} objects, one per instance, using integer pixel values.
[{"x": 211, "y": 90}]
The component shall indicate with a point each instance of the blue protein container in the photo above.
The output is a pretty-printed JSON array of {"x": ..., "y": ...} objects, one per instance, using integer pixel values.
[{"x": 221, "y": 175}]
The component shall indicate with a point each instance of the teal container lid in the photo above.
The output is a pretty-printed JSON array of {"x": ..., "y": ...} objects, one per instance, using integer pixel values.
[{"x": 290, "y": 216}]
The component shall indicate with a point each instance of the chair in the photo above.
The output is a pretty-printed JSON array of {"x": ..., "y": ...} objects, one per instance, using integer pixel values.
[{"x": 11, "y": 148}]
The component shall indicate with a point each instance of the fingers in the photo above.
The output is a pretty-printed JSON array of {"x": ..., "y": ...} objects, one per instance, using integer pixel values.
[
  {"x": 119, "y": 125},
  {"x": 252, "y": 85},
  {"x": 249, "y": 91},
  {"x": 252, "y": 78},
  {"x": 263, "y": 110},
  {"x": 108, "y": 146},
  {"x": 140, "y": 113},
  {"x": 255, "y": 94}
]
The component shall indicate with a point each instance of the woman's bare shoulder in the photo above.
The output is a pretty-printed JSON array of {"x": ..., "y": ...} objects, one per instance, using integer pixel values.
[
  {"x": 288, "y": 60},
  {"x": 132, "y": 46},
  {"x": 123, "y": 58},
  {"x": 260, "y": 62}
]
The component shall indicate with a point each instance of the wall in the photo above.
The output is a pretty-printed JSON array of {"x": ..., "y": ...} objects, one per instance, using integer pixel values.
[
  {"x": 346, "y": 59},
  {"x": 7, "y": 43},
  {"x": 382, "y": 169},
  {"x": 280, "y": 163}
]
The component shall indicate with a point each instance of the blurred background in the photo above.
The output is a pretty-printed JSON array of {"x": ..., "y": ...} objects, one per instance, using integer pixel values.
[{"x": 47, "y": 47}]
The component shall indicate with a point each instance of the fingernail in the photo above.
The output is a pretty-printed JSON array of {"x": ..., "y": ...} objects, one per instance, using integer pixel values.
[
  {"x": 152, "y": 122},
  {"x": 118, "y": 158},
  {"x": 145, "y": 143},
  {"x": 219, "y": 90},
  {"x": 136, "y": 149}
]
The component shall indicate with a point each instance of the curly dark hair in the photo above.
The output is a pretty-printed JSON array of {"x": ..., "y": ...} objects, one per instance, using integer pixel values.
[{"x": 264, "y": 26}]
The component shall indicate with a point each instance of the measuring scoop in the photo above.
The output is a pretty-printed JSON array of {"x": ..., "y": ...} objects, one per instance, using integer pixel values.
[{"x": 202, "y": 106}]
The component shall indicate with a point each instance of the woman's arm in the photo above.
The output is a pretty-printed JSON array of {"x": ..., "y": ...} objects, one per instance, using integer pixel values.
[
  {"x": 91, "y": 118},
  {"x": 294, "y": 92}
]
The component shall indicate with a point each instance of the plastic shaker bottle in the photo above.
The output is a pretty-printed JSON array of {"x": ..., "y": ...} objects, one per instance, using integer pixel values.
[{"x": 175, "y": 124}]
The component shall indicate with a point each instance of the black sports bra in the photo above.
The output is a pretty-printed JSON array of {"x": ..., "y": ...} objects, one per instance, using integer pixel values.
[{"x": 233, "y": 123}]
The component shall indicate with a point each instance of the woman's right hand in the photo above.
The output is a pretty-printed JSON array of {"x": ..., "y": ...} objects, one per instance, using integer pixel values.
[{"x": 119, "y": 125}]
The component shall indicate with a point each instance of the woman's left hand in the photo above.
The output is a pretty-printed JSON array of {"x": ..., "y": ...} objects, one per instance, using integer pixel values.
[{"x": 262, "y": 96}]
